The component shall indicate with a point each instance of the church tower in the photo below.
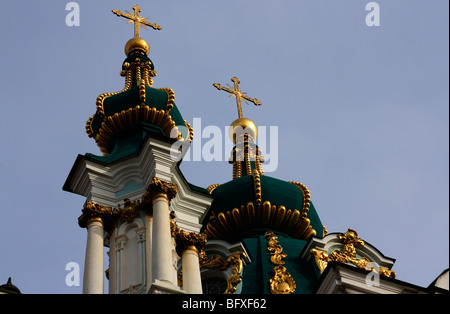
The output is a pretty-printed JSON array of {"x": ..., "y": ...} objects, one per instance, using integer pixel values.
[{"x": 135, "y": 190}]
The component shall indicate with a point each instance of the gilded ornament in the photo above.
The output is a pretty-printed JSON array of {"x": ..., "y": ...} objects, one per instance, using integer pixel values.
[
  {"x": 129, "y": 211},
  {"x": 257, "y": 186},
  {"x": 170, "y": 98},
  {"x": 216, "y": 262},
  {"x": 306, "y": 196},
  {"x": 282, "y": 282},
  {"x": 142, "y": 92},
  {"x": 158, "y": 186},
  {"x": 385, "y": 272},
  {"x": 245, "y": 153},
  {"x": 95, "y": 211},
  {"x": 237, "y": 265},
  {"x": 212, "y": 187},
  {"x": 191, "y": 132},
  {"x": 241, "y": 125},
  {"x": 185, "y": 240},
  {"x": 347, "y": 254},
  {"x": 136, "y": 44},
  {"x": 130, "y": 117},
  {"x": 264, "y": 216}
]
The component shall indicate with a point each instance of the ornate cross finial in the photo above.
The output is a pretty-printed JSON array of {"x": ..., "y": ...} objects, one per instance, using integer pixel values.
[
  {"x": 136, "y": 20},
  {"x": 236, "y": 93}
]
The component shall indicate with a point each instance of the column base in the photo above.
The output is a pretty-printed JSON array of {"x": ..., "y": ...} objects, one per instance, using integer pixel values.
[{"x": 164, "y": 287}]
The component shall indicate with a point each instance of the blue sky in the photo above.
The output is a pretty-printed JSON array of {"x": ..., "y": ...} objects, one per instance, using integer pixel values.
[{"x": 362, "y": 114}]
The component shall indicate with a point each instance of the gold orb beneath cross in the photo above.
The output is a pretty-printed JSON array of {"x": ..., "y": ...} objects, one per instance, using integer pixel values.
[
  {"x": 242, "y": 126},
  {"x": 137, "y": 43}
]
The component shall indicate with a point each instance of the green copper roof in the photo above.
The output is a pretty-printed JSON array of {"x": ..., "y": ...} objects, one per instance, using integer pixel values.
[
  {"x": 236, "y": 194},
  {"x": 155, "y": 98},
  {"x": 138, "y": 102}
]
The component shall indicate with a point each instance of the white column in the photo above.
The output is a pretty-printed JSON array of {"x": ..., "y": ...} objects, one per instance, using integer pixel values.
[
  {"x": 162, "y": 266},
  {"x": 148, "y": 249},
  {"x": 93, "y": 265},
  {"x": 192, "y": 282}
]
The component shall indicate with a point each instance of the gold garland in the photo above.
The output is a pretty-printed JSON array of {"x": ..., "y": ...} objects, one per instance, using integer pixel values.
[{"x": 212, "y": 187}]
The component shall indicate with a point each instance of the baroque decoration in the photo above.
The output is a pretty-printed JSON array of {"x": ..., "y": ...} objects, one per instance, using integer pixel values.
[
  {"x": 217, "y": 262},
  {"x": 94, "y": 211},
  {"x": 158, "y": 186},
  {"x": 282, "y": 282},
  {"x": 347, "y": 254},
  {"x": 130, "y": 210},
  {"x": 185, "y": 240}
]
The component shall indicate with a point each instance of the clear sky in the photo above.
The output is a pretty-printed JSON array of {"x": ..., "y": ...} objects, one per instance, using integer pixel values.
[{"x": 362, "y": 114}]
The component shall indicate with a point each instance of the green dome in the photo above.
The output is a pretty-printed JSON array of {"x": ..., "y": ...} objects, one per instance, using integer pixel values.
[
  {"x": 253, "y": 202},
  {"x": 139, "y": 102}
]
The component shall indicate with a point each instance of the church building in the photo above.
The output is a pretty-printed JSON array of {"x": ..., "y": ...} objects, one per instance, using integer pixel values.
[{"x": 254, "y": 234}]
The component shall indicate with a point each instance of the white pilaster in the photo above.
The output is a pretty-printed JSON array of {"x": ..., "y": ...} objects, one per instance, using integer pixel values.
[
  {"x": 112, "y": 286},
  {"x": 148, "y": 249}
]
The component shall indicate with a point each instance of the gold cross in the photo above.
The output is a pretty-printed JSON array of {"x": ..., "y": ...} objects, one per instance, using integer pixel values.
[
  {"x": 136, "y": 20},
  {"x": 236, "y": 93}
]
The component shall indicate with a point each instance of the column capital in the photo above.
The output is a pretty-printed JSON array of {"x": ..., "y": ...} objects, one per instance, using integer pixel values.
[
  {"x": 95, "y": 212},
  {"x": 158, "y": 187},
  {"x": 186, "y": 240}
]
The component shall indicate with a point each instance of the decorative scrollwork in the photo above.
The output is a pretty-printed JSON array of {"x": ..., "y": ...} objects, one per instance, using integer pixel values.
[
  {"x": 348, "y": 255},
  {"x": 129, "y": 211},
  {"x": 236, "y": 261},
  {"x": 282, "y": 282},
  {"x": 217, "y": 262}
]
